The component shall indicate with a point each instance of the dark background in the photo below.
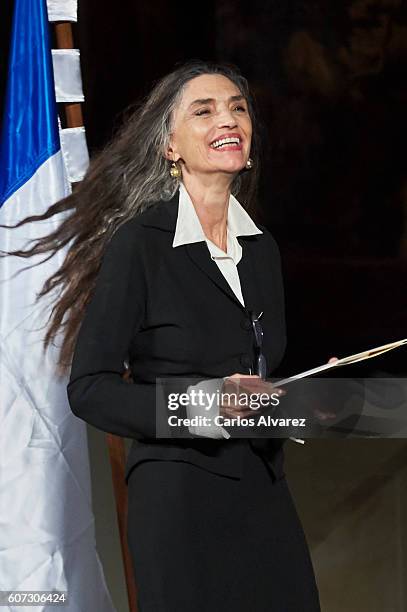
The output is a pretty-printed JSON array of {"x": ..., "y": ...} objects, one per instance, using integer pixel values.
[{"x": 330, "y": 81}]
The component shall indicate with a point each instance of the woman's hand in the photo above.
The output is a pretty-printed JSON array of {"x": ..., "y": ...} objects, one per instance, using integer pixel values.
[
  {"x": 243, "y": 385},
  {"x": 324, "y": 415}
]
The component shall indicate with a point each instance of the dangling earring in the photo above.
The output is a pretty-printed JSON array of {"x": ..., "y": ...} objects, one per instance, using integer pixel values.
[
  {"x": 175, "y": 170},
  {"x": 249, "y": 164}
]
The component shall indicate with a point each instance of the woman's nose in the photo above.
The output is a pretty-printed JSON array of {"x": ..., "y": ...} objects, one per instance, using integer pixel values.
[{"x": 226, "y": 119}]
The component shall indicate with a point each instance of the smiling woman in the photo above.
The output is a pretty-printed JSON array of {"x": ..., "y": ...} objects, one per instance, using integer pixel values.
[
  {"x": 168, "y": 272},
  {"x": 213, "y": 133},
  {"x": 210, "y": 140}
]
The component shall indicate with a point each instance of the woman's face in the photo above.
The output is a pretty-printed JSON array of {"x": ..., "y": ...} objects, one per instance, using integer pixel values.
[{"x": 211, "y": 110}]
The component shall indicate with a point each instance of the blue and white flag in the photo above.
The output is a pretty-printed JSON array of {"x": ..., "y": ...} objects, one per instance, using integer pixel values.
[{"x": 47, "y": 537}]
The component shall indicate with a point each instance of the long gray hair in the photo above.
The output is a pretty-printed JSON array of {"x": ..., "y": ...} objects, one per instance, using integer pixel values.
[{"x": 126, "y": 177}]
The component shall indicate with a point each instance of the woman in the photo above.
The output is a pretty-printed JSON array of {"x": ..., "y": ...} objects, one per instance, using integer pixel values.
[{"x": 168, "y": 273}]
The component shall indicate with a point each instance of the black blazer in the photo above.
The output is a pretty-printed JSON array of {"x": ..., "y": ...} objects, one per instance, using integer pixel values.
[{"x": 170, "y": 312}]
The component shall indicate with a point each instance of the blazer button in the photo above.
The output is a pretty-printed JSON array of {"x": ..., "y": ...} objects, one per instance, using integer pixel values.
[
  {"x": 246, "y": 324},
  {"x": 245, "y": 360}
]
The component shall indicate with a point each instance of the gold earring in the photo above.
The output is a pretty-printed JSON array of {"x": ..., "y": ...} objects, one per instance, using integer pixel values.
[
  {"x": 175, "y": 170},
  {"x": 249, "y": 164}
]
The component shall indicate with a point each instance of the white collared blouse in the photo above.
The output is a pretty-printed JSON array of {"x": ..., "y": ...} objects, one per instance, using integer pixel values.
[{"x": 189, "y": 229}]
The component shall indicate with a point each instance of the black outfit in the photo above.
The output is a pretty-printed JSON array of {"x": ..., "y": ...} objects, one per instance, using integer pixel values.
[{"x": 211, "y": 523}]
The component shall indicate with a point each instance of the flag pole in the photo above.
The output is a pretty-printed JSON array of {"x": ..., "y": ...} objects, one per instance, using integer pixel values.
[
  {"x": 115, "y": 444},
  {"x": 64, "y": 39}
]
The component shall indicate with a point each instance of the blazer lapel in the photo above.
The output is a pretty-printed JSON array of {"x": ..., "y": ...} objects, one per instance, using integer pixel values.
[
  {"x": 164, "y": 216},
  {"x": 250, "y": 274},
  {"x": 199, "y": 254}
]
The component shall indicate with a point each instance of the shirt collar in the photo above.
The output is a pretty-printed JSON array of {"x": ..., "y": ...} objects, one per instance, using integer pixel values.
[{"x": 189, "y": 229}]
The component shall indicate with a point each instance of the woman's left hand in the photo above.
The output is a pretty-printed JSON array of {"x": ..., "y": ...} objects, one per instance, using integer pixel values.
[{"x": 323, "y": 415}]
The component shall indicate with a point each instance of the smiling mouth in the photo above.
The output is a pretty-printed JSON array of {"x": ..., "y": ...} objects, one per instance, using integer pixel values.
[{"x": 230, "y": 142}]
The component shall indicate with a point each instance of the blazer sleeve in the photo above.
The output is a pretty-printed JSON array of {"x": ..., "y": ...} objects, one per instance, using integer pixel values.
[{"x": 96, "y": 390}]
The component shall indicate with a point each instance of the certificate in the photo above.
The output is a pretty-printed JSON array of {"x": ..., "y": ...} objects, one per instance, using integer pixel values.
[{"x": 375, "y": 352}]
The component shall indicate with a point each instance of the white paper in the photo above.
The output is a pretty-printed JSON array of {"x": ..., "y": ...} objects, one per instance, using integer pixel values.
[{"x": 344, "y": 361}]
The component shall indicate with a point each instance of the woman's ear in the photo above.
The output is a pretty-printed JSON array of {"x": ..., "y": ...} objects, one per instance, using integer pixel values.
[{"x": 170, "y": 152}]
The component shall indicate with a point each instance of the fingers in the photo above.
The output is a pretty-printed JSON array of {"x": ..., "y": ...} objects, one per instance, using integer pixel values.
[
  {"x": 237, "y": 411},
  {"x": 243, "y": 387},
  {"x": 324, "y": 416},
  {"x": 237, "y": 375},
  {"x": 251, "y": 385},
  {"x": 255, "y": 385}
]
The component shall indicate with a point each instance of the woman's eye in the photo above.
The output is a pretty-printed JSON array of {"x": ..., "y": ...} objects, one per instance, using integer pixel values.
[
  {"x": 240, "y": 108},
  {"x": 202, "y": 111}
]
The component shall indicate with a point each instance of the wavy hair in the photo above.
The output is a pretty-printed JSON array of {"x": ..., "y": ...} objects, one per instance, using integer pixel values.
[{"x": 126, "y": 177}]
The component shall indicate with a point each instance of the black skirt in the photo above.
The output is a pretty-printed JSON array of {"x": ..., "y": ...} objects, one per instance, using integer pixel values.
[{"x": 205, "y": 542}]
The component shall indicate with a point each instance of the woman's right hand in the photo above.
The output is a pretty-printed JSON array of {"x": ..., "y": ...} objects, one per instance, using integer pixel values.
[{"x": 245, "y": 385}]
